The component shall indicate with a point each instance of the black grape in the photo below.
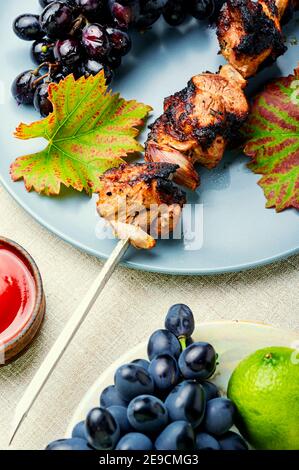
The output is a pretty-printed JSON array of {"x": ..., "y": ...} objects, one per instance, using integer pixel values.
[
  {"x": 198, "y": 361},
  {"x": 67, "y": 51},
  {"x": 27, "y": 27},
  {"x": 201, "y": 9},
  {"x": 180, "y": 320},
  {"x": 163, "y": 342},
  {"x": 56, "y": 20},
  {"x": 120, "y": 41},
  {"x": 45, "y": 3},
  {"x": 175, "y": 12},
  {"x": 121, "y": 14},
  {"x": 149, "y": 13},
  {"x": 90, "y": 7},
  {"x": 42, "y": 51},
  {"x": 178, "y": 435},
  {"x": 69, "y": 444},
  {"x": 102, "y": 429},
  {"x": 23, "y": 87},
  {"x": 113, "y": 61},
  {"x": 41, "y": 102},
  {"x": 92, "y": 67},
  {"x": 95, "y": 41}
]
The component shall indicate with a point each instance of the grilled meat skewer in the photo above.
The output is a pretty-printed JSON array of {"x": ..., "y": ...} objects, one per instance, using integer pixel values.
[
  {"x": 249, "y": 32},
  {"x": 198, "y": 122},
  {"x": 141, "y": 202}
]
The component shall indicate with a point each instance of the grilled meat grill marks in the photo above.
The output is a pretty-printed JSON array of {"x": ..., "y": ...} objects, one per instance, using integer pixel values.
[
  {"x": 141, "y": 202},
  {"x": 197, "y": 123},
  {"x": 249, "y": 33}
]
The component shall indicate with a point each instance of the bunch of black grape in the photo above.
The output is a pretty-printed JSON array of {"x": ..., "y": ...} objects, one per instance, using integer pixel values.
[
  {"x": 165, "y": 403},
  {"x": 70, "y": 36},
  {"x": 83, "y": 37}
]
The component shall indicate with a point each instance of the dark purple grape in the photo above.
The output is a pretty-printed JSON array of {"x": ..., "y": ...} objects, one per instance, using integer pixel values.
[
  {"x": 42, "y": 51},
  {"x": 121, "y": 14},
  {"x": 198, "y": 361},
  {"x": 201, "y": 9},
  {"x": 79, "y": 431},
  {"x": 23, "y": 88},
  {"x": 109, "y": 74},
  {"x": 90, "y": 7},
  {"x": 27, "y": 27},
  {"x": 59, "y": 74},
  {"x": 113, "y": 61},
  {"x": 71, "y": 3},
  {"x": 149, "y": 5},
  {"x": 71, "y": 70},
  {"x": 41, "y": 102},
  {"x": 120, "y": 41},
  {"x": 142, "y": 363},
  {"x": 92, "y": 67},
  {"x": 175, "y": 12},
  {"x": 74, "y": 443},
  {"x": 180, "y": 320},
  {"x": 187, "y": 402},
  {"x": 68, "y": 51},
  {"x": 165, "y": 373},
  {"x": 95, "y": 41},
  {"x": 218, "y": 4},
  {"x": 178, "y": 435},
  {"x": 102, "y": 429},
  {"x": 147, "y": 414},
  {"x": 232, "y": 441},
  {"x": 132, "y": 380},
  {"x": 45, "y": 3},
  {"x": 219, "y": 417},
  {"x": 163, "y": 342},
  {"x": 134, "y": 441},
  {"x": 205, "y": 441},
  {"x": 111, "y": 397},
  {"x": 211, "y": 390},
  {"x": 149, "y": 12},
  {"x": 56, "y": 20},
  {"x": 119, "y": 413}
]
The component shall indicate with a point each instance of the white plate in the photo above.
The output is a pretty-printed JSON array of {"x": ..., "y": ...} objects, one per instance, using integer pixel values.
[{"x": 232, "y": 340}]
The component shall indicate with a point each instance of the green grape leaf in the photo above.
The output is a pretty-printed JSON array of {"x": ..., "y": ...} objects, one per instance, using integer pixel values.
[
  {"x": 272, "y": 141},
  {"x": 89, "y": 131}
]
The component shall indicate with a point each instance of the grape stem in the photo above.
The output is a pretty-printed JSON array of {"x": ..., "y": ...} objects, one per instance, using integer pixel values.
[
  {"x": 182, "y": 340},
  {"x": 40, "y": 79},
  {"x": 44, "y": 64},
  {"x": 77, "y": 23}
]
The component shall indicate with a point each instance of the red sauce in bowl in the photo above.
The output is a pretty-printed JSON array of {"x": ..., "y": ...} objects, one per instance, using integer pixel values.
[{"x": 17, "y": 293}]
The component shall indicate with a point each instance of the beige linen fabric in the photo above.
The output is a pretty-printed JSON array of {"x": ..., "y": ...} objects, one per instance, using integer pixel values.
[{"x": 131, "y": 307}]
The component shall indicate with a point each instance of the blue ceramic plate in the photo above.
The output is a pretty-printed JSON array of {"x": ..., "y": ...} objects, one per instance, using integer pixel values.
[{"x": 234, "y": 230}]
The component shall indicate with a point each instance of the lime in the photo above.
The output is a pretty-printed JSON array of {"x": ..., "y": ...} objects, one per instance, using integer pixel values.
[{"x": 265, "y": 390}]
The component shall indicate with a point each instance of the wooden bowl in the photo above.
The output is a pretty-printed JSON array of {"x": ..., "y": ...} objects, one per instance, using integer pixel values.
[{"x": 23, "y": 333}]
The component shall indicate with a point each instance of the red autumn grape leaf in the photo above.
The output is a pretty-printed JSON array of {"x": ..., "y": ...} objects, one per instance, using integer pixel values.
[
  {"x": 89, "y": 131},
  {"x": 272, "y": 141}
]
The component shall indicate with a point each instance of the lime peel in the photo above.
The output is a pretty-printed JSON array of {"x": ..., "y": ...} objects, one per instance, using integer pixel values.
[{"x": 264, "y": 388}]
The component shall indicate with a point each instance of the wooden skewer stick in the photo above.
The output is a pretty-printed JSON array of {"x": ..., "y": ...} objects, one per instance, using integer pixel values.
[{"x": 65, "y": 337}]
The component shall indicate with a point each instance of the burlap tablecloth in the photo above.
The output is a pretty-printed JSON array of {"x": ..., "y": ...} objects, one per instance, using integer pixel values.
[{"x": 131, "y": 307}]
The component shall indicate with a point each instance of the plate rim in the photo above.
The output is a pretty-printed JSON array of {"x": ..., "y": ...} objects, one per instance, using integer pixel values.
[
  {"x": 145, "y": 267},
  {"x": 122, "y": 359}
]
